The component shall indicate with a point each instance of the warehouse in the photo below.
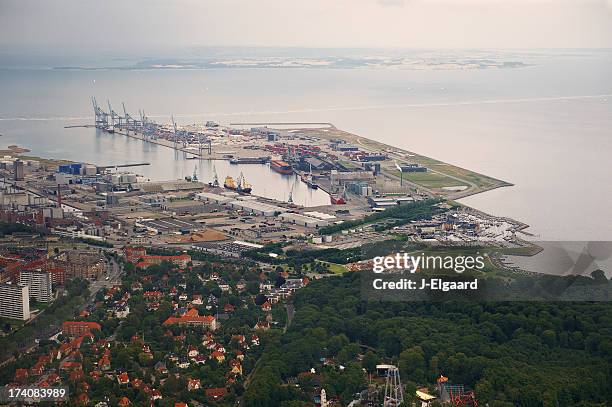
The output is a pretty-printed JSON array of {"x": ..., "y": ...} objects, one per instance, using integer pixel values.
[
  {"x": 258, "y": 208},
  {"x": 169, "y": 225},
  {"x": 226, "y": 249},
  {"x": 212, "y": 197},
  {"x": 320, "y": 215},
  {"x": 186, "y": 207},
  {"x": 302, "y": 220}
]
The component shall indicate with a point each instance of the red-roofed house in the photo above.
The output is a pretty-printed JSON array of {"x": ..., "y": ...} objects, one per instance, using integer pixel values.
[
  {"x": 193, "y": 384},
  {"x": 124, "y": 402},
  {"x": 218, "y": 355},
  {"x": 192, "y": 318},
  {"x": 78, "y": 328},
  {"x": 69, "y": 365},
  {"x": 123, "y": 378},
  {"x": 216, "y": 393},
  {"x": 21, "y": 375},
  {"x": 82, "y": 399}
]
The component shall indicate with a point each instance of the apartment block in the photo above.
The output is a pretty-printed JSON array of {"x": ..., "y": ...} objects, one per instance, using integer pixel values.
[
  {"x": 14, "y": 301},
  {"x": 40, "y": 284}
]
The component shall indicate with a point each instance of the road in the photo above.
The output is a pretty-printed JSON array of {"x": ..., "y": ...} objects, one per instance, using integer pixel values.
[
  {"x": 113, "y": 273},
  {"x": 290, "y": 312}
]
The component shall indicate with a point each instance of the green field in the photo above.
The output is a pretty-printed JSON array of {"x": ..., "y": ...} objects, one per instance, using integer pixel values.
[
  {"x": 431, "y": 180},
  {"x": 333, "y": 267}
]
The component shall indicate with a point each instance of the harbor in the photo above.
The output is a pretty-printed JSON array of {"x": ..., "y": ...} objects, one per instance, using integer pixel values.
[
  {"x": 323, "y": 157},
  {"x": 293, "y": 180}
]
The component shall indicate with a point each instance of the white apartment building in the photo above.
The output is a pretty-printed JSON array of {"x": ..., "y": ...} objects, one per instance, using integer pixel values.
[
  {"x": 39, "y": 284},
  {"x": 14, "y": 301}
]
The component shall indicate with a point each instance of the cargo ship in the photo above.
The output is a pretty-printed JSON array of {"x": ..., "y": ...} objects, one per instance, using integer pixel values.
[
  {"x": 309, "y": 180},
  {"x": 281, "y": 167},
  {"x": 229, "y": 183},
  {"x": 241, "y": 186},
  {"x": 250, "y": 160}
]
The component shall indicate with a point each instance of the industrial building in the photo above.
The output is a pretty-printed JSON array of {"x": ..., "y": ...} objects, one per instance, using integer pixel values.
[
  {"x": 389, "y": 201},
  {"x": 189, "y": 207},
  {"x": 39, "y": 284},
  {"x": 214, "y": 198},
  {"x": 320, "y": 215},
  {"x": 258, "y": 208},
  {"x": 14, "y": 301},
  {"x": 302, "y": 220},
  {"x": 169, "y": 225},
  {"x": 227, "y": 249},
  {"x": 412, "y": 168}
]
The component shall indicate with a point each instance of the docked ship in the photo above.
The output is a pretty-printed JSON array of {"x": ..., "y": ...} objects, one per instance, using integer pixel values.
[
  {"x": 229, "y": 183},
  {"x": 309, "y": 180},
  {"x": 249, "y": 160},
  {"x": 281, "y": 167},
  {"x": 241, "y": 186}
]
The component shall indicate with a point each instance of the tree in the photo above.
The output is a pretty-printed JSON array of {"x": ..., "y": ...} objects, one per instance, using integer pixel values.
[
  {"x": 412, "y": 364},
  {"x": 369, "y": 361}
]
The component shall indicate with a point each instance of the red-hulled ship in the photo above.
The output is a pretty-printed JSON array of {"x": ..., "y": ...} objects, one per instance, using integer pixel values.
[{"x": 281, "y": 167}]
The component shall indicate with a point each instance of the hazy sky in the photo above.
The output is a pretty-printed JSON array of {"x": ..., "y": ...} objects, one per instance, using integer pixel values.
[{"x": 73, "y": 26}]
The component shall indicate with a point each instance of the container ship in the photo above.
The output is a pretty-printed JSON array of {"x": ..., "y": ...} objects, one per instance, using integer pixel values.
[{"x": 281, "y": 167}]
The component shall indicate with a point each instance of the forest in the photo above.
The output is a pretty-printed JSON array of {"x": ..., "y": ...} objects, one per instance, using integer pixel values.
[{"x": 510, "y": 353}]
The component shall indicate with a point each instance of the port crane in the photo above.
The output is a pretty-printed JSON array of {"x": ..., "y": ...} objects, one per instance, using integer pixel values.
[
  {"x": 175, "y": 130},
  {"x": 101, "y": 120},
  {"x": 178, "y": 134},
  {"x": 290, "y": 198},
  {"x": 114, "y": 115},
  {"x": 215, "y": 182},
  {"x": 130, "y": 122}
]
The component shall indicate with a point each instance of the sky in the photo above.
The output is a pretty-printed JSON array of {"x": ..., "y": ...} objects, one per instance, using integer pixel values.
[{"x": 84, "y": 26}]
